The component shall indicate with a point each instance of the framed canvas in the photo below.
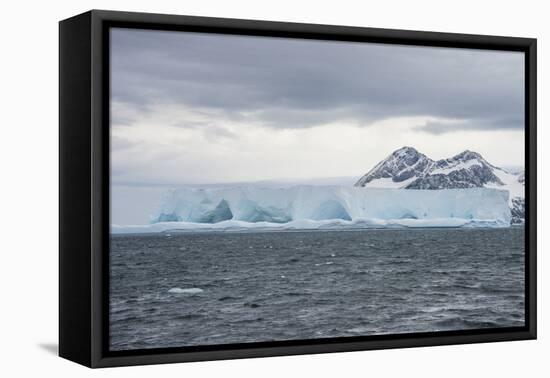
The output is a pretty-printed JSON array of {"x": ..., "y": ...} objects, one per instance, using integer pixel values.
[{"x": 234, "y": 188}]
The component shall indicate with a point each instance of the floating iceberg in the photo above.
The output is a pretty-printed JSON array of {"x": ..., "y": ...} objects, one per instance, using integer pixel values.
[
  {"x": 325, "y": 207},
  {"x": 193, "y": 290}
]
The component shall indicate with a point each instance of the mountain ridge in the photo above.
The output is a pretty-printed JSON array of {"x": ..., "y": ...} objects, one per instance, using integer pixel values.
[{"x": 407, "y": 168}]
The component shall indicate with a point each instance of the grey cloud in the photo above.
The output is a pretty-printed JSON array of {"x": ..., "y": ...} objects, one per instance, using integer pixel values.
[
  {"x": 210, "y": 130},
  {"x": 291, "y": 83},
  {"x": 122, "y": 120},
  {"x": 497, "y": 123},
  {"x": 119, "y": 143}
]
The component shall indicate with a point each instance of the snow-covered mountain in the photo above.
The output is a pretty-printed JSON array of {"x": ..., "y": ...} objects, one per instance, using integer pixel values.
[{"x": 406, "y": 168}]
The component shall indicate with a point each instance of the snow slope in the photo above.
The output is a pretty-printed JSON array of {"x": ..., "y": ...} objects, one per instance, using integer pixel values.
[{"x": 513, "y": 183}]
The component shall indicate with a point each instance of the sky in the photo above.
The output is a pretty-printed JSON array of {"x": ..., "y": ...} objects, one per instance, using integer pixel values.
[{"x": 195, "y": 108}]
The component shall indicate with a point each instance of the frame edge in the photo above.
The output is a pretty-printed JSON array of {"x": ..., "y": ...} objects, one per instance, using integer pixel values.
[
  {"x": 74, "y": 192},
  {"x": 97, "y": 38}
]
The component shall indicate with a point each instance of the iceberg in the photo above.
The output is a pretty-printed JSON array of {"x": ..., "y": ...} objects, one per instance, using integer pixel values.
[
  {"x": 325, "y": 207},
  {"x": 193, "y": 290}
]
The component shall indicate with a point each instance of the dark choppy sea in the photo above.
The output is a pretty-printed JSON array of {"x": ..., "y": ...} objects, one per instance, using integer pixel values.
[{"x": 180, "y": 289}]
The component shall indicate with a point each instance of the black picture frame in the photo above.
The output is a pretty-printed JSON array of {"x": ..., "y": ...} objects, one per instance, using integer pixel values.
[{"x": 84, "y": 187}]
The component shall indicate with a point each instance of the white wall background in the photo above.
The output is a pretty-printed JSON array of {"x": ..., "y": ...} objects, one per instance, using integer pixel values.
[{"x": 29, "y": 189}]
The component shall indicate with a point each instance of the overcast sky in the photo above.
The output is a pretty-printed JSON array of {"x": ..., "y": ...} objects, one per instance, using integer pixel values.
[{"x": 189, "y": 108}]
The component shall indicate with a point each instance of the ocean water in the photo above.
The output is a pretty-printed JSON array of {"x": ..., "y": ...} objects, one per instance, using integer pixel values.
[{"x": 183, "y": 289}]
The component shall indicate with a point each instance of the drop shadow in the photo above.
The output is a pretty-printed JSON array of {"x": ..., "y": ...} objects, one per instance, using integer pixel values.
[{"x": 51, "y": 348}]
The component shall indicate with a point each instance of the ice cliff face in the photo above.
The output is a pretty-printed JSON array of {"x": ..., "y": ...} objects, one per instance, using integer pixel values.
[
  {"x": 406, "y": 168},
  {"x": 347, "y": 205}
]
